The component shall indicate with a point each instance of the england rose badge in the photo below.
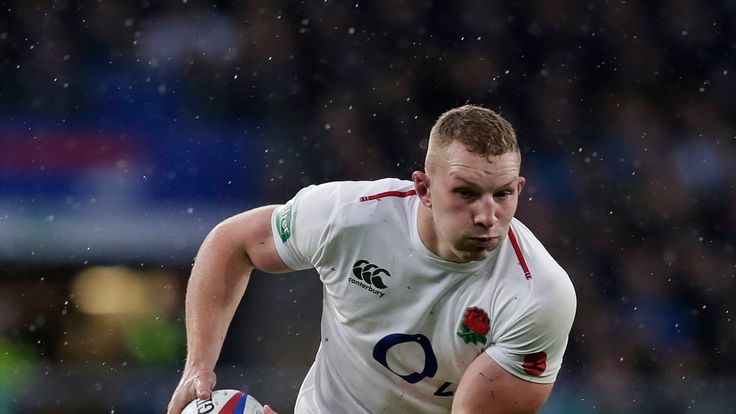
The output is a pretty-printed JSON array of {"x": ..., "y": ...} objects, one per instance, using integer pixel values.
[{"x": 475, "y": 326}]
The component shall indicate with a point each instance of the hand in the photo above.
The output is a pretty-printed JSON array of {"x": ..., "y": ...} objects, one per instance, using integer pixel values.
[
  {"x": 268, "y": 410},
  {"x": 195, "y": 383}
]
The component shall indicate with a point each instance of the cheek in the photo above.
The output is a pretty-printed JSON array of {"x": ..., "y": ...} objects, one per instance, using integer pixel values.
[
  {"x": 454, "y": 209},
  {"x": 505, "y": 216},
  {"x": 509, "y": 210},
  {"x": 445, "y": 204},
  {"x": 457, "y": 217}
]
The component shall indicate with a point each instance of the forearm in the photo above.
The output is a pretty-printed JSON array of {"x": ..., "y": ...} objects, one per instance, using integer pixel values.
[{"x": 219, "y": 277}]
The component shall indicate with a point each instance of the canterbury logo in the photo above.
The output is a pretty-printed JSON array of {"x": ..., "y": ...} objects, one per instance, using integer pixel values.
[
  {"x": 371, "y": 273},
  {"x": 369, "y": 277}
]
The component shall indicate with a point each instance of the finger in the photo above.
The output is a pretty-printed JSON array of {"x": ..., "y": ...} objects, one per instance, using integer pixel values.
[
  {"x": 176, "y": 404},
  {"x": 268, "y": 410}
]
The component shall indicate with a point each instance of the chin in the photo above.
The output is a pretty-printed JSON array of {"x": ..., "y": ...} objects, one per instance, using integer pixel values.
[{"x": 473, "y": 255}]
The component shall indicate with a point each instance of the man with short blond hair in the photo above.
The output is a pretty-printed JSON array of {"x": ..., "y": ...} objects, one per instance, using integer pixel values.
[{"x": 436, "y": 299}]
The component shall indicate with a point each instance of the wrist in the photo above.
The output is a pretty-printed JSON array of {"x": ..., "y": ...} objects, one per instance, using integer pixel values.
[{"x": 197, "y": 365}]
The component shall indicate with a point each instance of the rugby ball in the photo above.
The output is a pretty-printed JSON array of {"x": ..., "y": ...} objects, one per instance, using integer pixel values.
[{"x": 225, "y": 402}]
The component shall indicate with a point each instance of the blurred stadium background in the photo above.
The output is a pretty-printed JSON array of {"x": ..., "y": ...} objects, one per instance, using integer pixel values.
[{"x": 129, "y": 128}]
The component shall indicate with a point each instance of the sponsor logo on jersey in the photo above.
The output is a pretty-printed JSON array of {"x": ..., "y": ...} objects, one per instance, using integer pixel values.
[
  {"x": 283, "y": 221},
  {"x": 369, "y": 277},
  {"x": 475, "y": 326}
]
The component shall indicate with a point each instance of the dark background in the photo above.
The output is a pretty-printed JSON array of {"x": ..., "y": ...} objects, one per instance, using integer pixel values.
[{"x": 129, "y": 128}]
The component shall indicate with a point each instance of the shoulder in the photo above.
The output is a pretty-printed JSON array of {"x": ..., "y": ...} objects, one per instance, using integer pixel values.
[
  {"x": 553, "y": 289},
  {"x": 348, "y": 192},
  {"x": 319, "y": 214},
  {"x": 334, "y": 207},
  {"x": 538, "y": 310}
]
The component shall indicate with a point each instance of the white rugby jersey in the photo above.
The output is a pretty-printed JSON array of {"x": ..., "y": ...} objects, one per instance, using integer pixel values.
[{"x": 399, "y": 324}]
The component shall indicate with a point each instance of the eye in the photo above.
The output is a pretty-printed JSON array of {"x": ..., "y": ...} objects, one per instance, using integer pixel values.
[
  {"x": 465, "y": 193},
  {"x": 504, "y": 194}
]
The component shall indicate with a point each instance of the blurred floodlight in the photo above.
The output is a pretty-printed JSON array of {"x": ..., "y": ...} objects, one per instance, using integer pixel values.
[{"x": 108, "y": 290}]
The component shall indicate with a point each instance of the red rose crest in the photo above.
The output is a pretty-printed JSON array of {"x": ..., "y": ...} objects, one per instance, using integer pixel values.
[{"x": 475, "y": 327}]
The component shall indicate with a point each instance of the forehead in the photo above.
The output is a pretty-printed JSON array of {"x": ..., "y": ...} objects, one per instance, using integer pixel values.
[{"x": 459, "y": 162}]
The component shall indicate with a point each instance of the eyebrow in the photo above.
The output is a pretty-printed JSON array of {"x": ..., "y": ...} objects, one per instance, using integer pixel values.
[{"x": 509, "y": 184}]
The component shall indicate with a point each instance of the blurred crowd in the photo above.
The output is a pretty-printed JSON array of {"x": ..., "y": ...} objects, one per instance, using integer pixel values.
[{"x": 624, "y": 111}]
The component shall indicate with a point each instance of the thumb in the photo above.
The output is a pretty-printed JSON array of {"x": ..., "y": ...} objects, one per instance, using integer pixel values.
[{"x": 203, "y": 388}]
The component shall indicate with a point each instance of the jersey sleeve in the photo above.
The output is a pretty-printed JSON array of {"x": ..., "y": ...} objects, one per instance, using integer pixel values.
[
  {"x": 301, "y": 226},
  {"x": 533, "y": 348}
]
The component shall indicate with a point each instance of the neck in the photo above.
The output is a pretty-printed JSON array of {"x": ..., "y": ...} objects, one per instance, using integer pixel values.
[{"x": 428, "y": 232}]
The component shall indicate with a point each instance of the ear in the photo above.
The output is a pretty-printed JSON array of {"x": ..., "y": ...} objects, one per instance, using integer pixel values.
[
  {"x": 520, "y": 184},
  {"x": 421, "y": 185}
]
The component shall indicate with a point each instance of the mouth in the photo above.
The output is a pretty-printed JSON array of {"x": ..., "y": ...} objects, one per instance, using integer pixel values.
[{"x": 485, "y": 240}]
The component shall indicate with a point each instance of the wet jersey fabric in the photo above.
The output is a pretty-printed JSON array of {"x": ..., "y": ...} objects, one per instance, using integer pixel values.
[{"x": 399, "y": 324}]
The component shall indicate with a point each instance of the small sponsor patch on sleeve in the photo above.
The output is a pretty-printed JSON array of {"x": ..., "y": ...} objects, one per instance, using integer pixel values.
[
  {"x": 283, "y": 221},
  {"x": 535, "y": 364}
]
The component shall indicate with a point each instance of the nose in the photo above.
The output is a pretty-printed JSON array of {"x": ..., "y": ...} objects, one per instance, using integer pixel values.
[{"x": 485, "y": 212}]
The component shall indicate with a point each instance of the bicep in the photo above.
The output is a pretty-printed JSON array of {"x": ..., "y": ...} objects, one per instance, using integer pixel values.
[
  {"x": 252, "y": 231},
  {"x": 486, "y": 388}
]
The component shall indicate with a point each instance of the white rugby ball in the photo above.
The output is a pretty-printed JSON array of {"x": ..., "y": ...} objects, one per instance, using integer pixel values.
[{"x": 225, "y": 402}]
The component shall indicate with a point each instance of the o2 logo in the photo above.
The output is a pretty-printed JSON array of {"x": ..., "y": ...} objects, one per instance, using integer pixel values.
[{"x": 380, "y": 354}]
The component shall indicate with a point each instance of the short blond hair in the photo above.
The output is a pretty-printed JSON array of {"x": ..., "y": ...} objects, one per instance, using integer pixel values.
[{"x": 481, "y": 130}]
